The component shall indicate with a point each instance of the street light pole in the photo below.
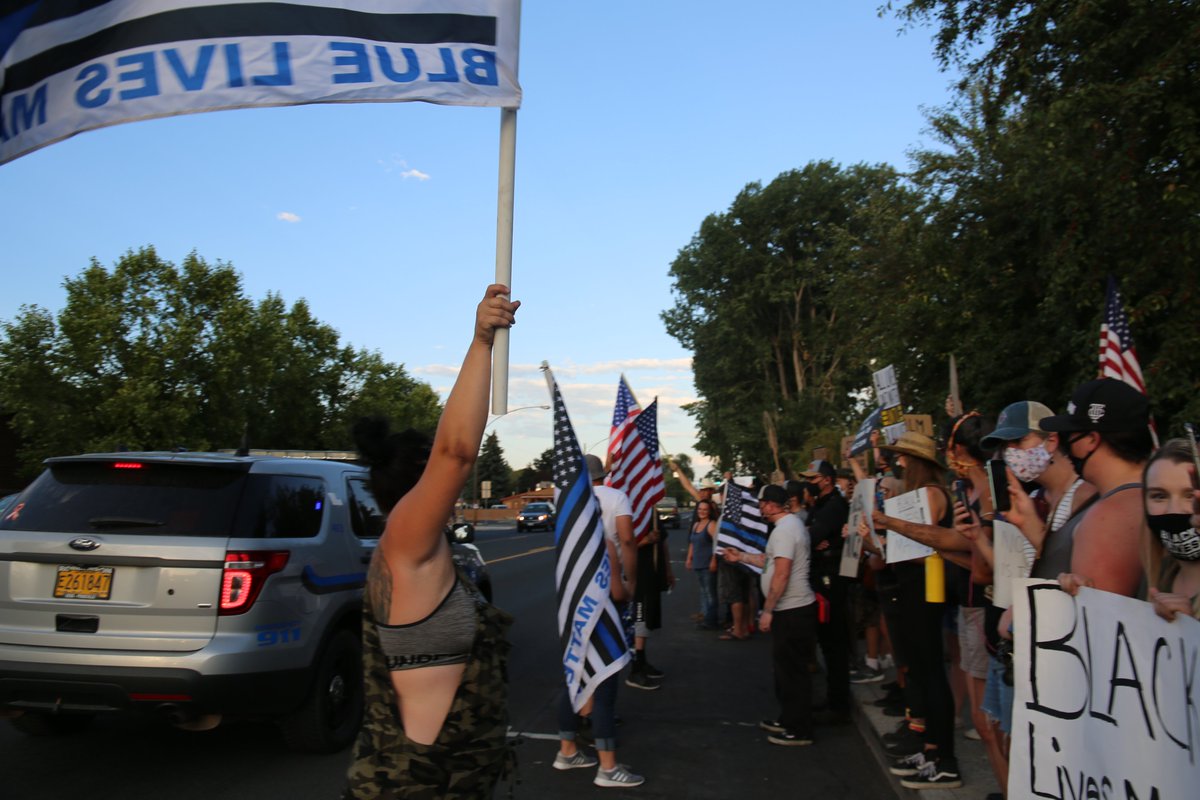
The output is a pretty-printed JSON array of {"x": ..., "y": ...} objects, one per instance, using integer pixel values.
[{"x": 475, "y": 466}]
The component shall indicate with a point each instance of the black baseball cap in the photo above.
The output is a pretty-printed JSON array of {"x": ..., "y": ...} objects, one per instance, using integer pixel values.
[
  {"x": 1105, "y": 405},
  {"x": 772, "y": 493}
]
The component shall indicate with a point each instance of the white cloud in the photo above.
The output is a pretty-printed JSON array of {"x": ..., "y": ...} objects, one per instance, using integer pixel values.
[
  {"x": 287, "y": 216},
  {"x": 399, "y": 164}
]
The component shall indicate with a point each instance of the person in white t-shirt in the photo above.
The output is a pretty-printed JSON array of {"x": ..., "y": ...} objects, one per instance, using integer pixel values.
[{"x": 789, "y": 614}]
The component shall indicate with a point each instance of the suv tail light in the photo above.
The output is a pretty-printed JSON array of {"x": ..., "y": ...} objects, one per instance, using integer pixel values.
[{"x": 244, "y": 576}]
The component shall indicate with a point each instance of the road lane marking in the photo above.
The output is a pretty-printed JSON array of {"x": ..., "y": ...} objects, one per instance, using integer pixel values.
[{"x": 534, "y": 551}]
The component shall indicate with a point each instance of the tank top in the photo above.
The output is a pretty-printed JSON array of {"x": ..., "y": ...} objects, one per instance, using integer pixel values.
[
  {"x": 702, "y": 547},
  {"x": 471, "y": 753}
]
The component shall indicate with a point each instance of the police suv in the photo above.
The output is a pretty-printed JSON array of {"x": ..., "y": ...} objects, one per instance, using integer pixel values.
[{"x": 194, "y": 585}]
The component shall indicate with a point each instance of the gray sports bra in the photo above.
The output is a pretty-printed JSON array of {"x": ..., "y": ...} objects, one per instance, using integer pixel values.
[{"x": 443, "y": 637}]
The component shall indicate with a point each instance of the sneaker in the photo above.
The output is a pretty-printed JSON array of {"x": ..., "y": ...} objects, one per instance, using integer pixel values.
[
  {"x": 653, "y": 671},
  {"x": 577, "y": 761},
  {"x": 617, "y": 777},
  {"x": 972, "y": 734},
  {"x": 939, "y": 774},
  {"x": 640, "y": 680},
  {"x": 907, "y": 765},
  {"x": 886, "y": 661},
  {"x": 866, "y": 675},
  {"x": 789, "y": 739},
  {"x": 901, "y": 730},
  {"x": 772, "y": 726}
]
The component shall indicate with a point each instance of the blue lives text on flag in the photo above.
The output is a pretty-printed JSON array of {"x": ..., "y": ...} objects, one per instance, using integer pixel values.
[
  {"x": 72, "y": 67},
  {"x": 742, "y": 525},
  {"x": 590, "y": 628}
]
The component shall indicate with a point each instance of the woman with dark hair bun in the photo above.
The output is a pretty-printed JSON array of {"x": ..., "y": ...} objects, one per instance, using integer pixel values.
[{"x": 434, "y": 650}]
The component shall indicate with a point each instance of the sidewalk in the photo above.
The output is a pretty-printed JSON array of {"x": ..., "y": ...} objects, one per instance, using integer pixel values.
[{"x": 973, "y": 765}]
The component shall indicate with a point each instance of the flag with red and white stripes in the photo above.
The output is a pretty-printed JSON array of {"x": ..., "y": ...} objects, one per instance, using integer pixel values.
[
  {"x": 1118, "y": 356},
  {"x": 624, "y": 411},
  {"x": 636, "y": 468}
]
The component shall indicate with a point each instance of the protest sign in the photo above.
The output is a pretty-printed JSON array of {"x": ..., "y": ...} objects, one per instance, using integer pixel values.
[
  {"x": 1011, "y": 561},
  {"x": 1104, "y": 702},
  {"x": 911, "y": 507},
  {"x": 852, "y": 547},
  {"x": 862, "y": 438},
  {"x": 921, "y": 423},
  {"x": 887, "y": 391},
  {"x": 864, "y": 503}
]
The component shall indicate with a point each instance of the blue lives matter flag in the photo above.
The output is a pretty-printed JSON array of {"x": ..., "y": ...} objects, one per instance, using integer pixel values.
[
  {"x": 67, "y": 67},
  {"x": 590, "y": 629},
  {"x": 742, "y": 525}
]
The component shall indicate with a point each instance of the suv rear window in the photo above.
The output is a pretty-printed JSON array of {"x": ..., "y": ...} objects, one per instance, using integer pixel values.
[{"x": 158, "y": 499}]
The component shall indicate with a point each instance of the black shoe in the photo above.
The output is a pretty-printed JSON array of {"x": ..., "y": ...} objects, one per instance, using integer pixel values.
[
  {"x": 891, "y": 686},
  {"x": 652, "y": 671},
  {"x": 939, "y": 774},
  {"x": 905, "y": 747},
  {"x": 897, "y": 710},
  {"x": 789, "y": 739},
  {"x": 900, "y": 730},
  {"x": 889, "y": 699},
  {"x": 640, "y": 680},
  {"x": 772, "y": 726},
  {"x": 906, "y": 766}
]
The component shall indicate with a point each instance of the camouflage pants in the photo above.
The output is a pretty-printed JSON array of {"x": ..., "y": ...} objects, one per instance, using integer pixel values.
[{"x": 471, "y": 754}]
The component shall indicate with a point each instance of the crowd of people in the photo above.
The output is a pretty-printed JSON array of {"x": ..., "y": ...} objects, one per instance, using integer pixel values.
[{"x": 1096, "y": 502}]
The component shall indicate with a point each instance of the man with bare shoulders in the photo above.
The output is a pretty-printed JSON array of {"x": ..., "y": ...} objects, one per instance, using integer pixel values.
[{"x": 1107, "y": 430}]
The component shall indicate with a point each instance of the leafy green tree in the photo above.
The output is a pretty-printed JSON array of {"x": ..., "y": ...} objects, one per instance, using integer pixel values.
[
  {"x": 148, "y": 355},
  {"x": 778, "y": 299},
  {"x": 491, "y": 466},
  {"x": 1070, "y": 154}
]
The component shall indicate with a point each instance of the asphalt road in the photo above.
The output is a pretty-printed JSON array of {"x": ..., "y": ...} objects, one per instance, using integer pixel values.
[{"x": 697, "y": 737}]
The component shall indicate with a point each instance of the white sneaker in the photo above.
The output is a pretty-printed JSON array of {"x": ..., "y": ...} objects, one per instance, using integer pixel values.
[
  {"x": 617, "y": 777},
  {"x": 577, "y": 761}
]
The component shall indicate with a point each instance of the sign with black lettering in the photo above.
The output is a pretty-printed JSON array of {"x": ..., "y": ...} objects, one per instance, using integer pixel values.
[
  {"x": 1105, "y": 701},
  {"x": 887, "y": 393},
  {"x": 72, "y": 67}
]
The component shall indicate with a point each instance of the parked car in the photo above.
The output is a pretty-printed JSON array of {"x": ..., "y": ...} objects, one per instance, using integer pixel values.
[
  {"x": 536, "y": 515},
  {"x": 667, "y": 510},
  {"x": 197, "y": 585}
]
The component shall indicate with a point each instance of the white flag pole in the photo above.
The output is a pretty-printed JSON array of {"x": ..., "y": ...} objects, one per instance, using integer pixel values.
[{"x": 504, "y": 234}]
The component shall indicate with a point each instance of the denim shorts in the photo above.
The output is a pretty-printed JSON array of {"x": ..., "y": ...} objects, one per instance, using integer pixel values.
[{"x": 998, "y": 696}]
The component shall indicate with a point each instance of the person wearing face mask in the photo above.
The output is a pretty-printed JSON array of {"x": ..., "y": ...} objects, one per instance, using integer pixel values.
[
  {"x": 1171, "y": 539},
  {"x": 1107, "y": 431}
]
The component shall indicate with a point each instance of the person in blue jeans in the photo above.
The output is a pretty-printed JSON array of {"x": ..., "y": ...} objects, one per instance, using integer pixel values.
[{"x": 702, "y": 561}]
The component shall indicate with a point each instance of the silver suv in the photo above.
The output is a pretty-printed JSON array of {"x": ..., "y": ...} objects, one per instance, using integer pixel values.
[{"x": 196, "y": 585}]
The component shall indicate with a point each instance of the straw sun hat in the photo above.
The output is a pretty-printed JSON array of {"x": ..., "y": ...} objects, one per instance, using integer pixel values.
[{"x": 914, "y": 444}]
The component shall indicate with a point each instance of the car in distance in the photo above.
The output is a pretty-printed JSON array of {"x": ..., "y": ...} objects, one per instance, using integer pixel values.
[
  {"x": 667, "y": 510},
  {"x": 536, "y": 515},
  {"x": 196, "y": 585}
]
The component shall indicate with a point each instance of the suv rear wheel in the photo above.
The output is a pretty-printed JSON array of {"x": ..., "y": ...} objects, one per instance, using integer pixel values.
[{"x": 328, "y": 721}]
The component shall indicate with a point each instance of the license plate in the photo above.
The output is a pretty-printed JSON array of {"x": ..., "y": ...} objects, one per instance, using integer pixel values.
[{"x": 84, "y": 583}]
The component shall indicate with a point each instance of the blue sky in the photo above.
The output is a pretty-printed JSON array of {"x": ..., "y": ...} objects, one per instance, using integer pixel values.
[{"x": 639, "y": 119}]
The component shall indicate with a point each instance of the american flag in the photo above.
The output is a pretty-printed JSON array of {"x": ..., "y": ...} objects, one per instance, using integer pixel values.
[
  {"x": 623, "y": 412},
  {"x": 636, "y": 468},
  {"x": 1118, "y": 357},
  {"x": 590, "y": 628},
  {"x": 742, "y": 525}
]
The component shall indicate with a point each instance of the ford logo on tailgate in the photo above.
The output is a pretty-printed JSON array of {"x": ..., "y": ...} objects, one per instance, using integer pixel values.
[{"x": 84, "y": 543}]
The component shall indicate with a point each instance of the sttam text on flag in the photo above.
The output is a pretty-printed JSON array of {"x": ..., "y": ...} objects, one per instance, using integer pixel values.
[{"x": 590, "y": 629}]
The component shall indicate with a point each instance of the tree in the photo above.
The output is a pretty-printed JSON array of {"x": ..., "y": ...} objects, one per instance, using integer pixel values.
[
  {"x": 152, "y": 356},
  {"x": 777, "y": 299},
  {"x": 492, "y": 467},
  {"x": 1070, "y": 154}
]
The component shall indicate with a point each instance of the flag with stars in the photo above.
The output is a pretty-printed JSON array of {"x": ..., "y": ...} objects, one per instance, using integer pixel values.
[
  {"x": 636, "y": 468},
  {"x": 625, "y": 409},
  {"x": 742, "y": 525},
  {"x": 1118, "y": 357},
  {"x": 590, "y": 628}
]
